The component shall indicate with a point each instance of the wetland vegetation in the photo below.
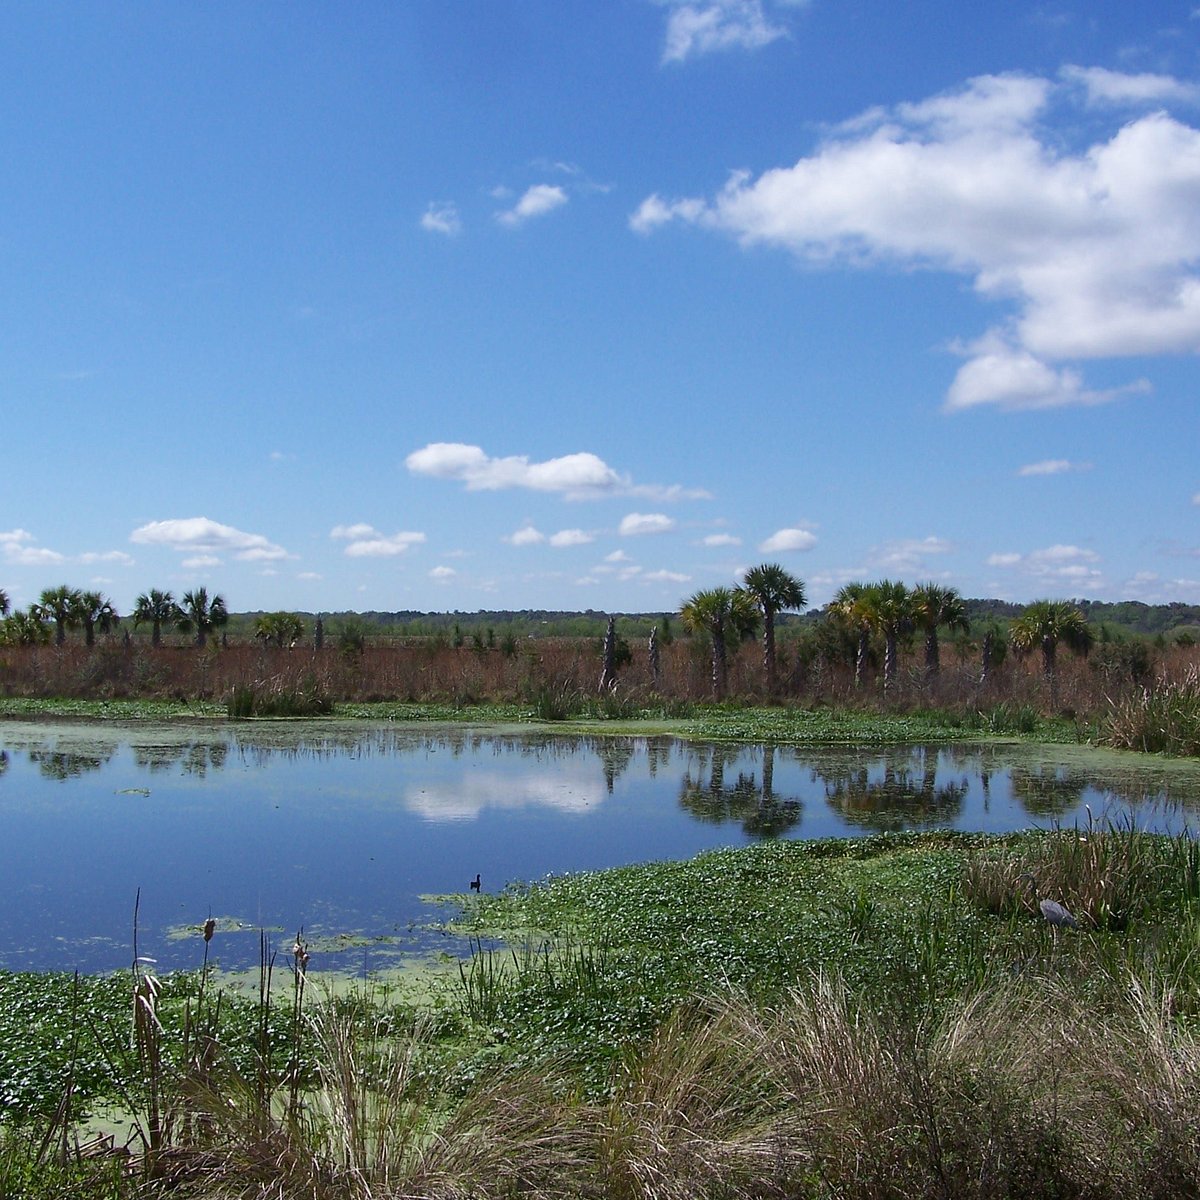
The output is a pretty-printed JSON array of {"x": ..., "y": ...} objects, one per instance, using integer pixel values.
[{"x": 884, "y": 1016}]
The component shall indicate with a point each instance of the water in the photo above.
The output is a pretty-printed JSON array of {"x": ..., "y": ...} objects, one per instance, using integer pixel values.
[{"x": 349, "y": 829}]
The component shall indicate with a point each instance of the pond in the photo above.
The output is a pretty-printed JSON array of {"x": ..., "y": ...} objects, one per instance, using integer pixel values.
[{"x": 350, "y": 830}]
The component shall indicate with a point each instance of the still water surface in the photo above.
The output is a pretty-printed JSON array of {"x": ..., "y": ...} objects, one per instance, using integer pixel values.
[{"x": 344, "y": 828}]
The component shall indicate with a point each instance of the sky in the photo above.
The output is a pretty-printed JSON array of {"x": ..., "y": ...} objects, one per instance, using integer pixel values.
[{"x": 524, "y": 304}]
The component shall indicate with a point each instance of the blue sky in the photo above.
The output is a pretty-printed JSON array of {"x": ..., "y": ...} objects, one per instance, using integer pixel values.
[{"x": 532, "y": 304}]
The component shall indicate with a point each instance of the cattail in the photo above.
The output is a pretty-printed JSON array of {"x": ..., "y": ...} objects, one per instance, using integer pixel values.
[{"x": 210, "y": 927}]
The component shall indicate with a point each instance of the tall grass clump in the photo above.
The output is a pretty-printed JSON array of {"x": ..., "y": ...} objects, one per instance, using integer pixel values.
[
  {"x": 1164, "y": 719},
  {"x": 279, "y": 698}
]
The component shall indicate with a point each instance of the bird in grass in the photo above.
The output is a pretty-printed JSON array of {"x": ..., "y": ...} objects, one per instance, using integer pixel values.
[
  {"x": 1056, "y": 915},
  {"x": 475, "y": 884}
]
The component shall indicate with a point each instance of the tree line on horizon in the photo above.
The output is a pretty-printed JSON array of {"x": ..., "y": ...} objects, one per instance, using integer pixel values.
[{"x": 882, "y": 613}]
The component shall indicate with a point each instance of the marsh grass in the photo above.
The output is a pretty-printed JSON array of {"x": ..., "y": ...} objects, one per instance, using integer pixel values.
[
  {"x": 877, "y": 1018},
  {"x": 1163, "y": 718}
]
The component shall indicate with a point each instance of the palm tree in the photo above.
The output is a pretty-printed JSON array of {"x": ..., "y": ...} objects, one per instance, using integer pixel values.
[
  {"x": 156, "y": 609},
  {"x": 201, "y": 615},
  {"x": 889, "y": 606},
  {"x": 851, "y": 606},
  {"x": 25, "y": 627},
  {"x": 774, "y": 590},
  {"x": 1045, "y": 623},
  {"x": 721, "y": 613},
  {"x": 282, "y": 628},
  {"x": 933, "y": 605},
  {"x": 3, "y": 603},
  {"x": 62, "y": 606},
  {"x": 95, "y": 611}
]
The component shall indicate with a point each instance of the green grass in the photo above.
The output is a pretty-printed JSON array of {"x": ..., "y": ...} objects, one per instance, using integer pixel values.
[{"x": 881, "y": 1016}]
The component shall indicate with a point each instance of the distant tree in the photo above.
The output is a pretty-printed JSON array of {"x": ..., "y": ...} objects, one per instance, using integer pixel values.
[
  {"x": 722, "y": 614},
  {"x": 156, "y": 609},
  {"x": 3, "y": 603},
  {"x": 282, "y": 628},
  {"x": 1044, "y": 624},
  {"x": 96, "y": 612},
  {"x": 62, "y": 605},
  {"x": 202, "y": 616},
  {"x": 934, "y": 605},
  {"x": 774, "y": 590}
]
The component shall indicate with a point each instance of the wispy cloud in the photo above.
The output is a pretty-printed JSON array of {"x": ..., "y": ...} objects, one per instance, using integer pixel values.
[
  {"x": 1053, "y": 466},
  {"x": 1057, "y": 564},
  {"x": 1096, "y": 247},
  {"x": 442, "y": 217},
  {"x": 698, "y": 27},
  {"x": 365, "y": 541}
]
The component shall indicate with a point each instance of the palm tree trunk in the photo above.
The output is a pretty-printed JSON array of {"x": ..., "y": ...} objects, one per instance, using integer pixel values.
[
  {"x": 889, "y": 659},
  {"x": 769, "y": 649},
  {"x": 932, "y": 663},
  {"x": 718, "y": 664},
  {"x": 860, "y": 659}
]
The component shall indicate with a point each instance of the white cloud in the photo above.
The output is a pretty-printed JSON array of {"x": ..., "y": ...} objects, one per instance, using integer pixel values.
[
  {"x": 665, "y": 576},
  {"x": 788, "y": 539},
  {"x": 527, "y": 535},
  {"x": 638, "y": 523},
  {"x": 442, "y": 217},
  {"x": 537, "y": 201},
  {"x": 1112, "y": 87},
  {"x": 365, "y": 541},
  {"x": 442, "y": 574},
  {"x": 571, "y": 537},
  {"x": 619, "y": 556},
  {"x": 197, "y": 562},
  {"x": 19, "y": 551},
  {"x": 908, "y": 554},
  {"x": 711, "y": 25},
  {"x": 722, "y": 539},
  {"x": 1053, "y": 466},
  {"x": 1010, "y": 378},
  {"x": 1058, "y": 563},
  {"x": 1093, "y": 247},
  {"x": 199, "y": 536},
  {"x": 107, "y": 556},
  {"x": 577, "y": 476}
]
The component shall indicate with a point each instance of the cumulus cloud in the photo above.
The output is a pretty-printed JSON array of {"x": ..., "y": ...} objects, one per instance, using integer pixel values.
[
  {"x": 1053, "y": 466},
  {"x": 442, "y": 574},
  {"x": 639, "y": 523},
  {"x": 665, "y": 576},
  {"x": 537, "y": 201},
  {"x": 722, "y": 539},
  {"x": 704, "y": 27},
  {"x": 365, "y": 541},
  {"x": 19, "y": 550},
  {"x": 441, "y": 217},
  {"x": 1093, "y": 247},
  {"x": 574, "y": 476},
  {"x": 527, "y": 535},
  {"x": 788, "y": 539},
  {"x": 200, "y": 537}
]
